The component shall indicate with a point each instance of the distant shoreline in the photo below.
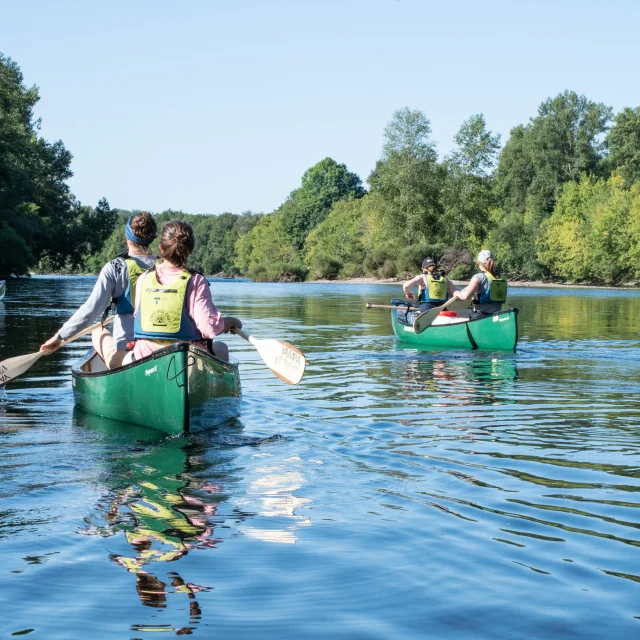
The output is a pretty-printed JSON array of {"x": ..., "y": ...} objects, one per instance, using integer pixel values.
[
  {"x": 512, "y": 284},
  {"x": 525, "y": 284}
]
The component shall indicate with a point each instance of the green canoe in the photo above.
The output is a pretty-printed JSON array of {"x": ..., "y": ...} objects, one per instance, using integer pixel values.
[
  {"x": 499, "y": 331},
  {"x": 176, "y": 389}
]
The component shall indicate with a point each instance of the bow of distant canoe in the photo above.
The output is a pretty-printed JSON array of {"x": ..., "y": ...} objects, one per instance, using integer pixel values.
[
  {"x": 495, "y": 332},
  {"x": 177, "y": 389}
]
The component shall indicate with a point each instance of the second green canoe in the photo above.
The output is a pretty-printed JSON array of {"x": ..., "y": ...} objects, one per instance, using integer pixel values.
[
  {"x": 498, "y": 331},
  {"x": 176, "y": 389}
]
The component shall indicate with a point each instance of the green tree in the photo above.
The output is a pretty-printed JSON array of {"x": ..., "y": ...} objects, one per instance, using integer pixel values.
[
  {"x": 216, "y": 237},
  {"x": 624, "y": 145},
  {"x": 563, "y": 141},
  {"x": 335, "y": 246},
  {"x": 468, "y": 194},
  {"x": 267, "y": 252},
  {"x": 322, "y": 185},
  {"x": 592, "y": 231},
  {"x": 409, "y": 179},
  {"x": 35, "y": 204},
  {"x": 40, "y": 220}
]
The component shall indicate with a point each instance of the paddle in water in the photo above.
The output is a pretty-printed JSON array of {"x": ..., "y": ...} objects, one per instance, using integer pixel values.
[
  {"x": 13, "y": 367},
  {"x": 425, "y": 320},
  {"x": 285, "y": 360}
]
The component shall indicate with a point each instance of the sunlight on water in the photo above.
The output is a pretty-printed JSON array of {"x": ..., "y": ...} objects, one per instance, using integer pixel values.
[{"x": 395, "y": 493}]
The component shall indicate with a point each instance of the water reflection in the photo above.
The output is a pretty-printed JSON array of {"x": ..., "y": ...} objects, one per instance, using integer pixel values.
[
  {"x": 156, "y": 497},
  {"x": 149, "y": 497},
  {"x": 273, "y": 494},
  {"x": 495, "y": 494},
  {"x": 441, "y": 381}
]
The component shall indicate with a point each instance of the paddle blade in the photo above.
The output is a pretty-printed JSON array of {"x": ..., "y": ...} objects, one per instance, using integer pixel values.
[
  {"x": 14, "y": 367},
  {"x": 425, "y": 320},
  {"x": 287, "y": 362}
]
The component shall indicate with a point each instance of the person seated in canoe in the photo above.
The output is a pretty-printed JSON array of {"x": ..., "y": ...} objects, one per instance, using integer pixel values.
[
  {"x": 114, "y": 288},
  {"x": 433, "y": 289},
  {"x": 488, "y": 289},
  {"x": 173, "y": 303}
]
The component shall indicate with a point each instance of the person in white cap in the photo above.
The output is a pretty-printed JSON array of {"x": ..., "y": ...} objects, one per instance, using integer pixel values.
[
  {"x": 433, "y": 289},
  {"x": 487, "y": 288}
]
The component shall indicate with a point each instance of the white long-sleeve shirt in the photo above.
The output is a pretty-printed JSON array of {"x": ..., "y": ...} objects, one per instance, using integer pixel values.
[{"x": 112, "y": 283}]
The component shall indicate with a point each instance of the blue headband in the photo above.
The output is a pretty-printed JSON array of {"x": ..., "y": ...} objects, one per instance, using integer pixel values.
[{"x": 134, "y": 238}]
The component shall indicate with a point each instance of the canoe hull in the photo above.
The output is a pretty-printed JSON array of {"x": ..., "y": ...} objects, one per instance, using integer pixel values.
[
  {"x": 177, "y": 389},
  {"x": 496, "y": 332},
  {"x": 3, "y": 288}
]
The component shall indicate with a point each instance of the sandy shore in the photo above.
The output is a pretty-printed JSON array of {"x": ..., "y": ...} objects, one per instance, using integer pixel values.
[{"x": 462, "y": 283}]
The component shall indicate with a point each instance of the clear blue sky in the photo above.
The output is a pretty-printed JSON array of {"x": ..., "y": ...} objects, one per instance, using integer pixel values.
[{"x": 210, "y": 106}]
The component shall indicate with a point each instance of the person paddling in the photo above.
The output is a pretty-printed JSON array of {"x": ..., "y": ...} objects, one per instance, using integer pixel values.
[
  {"x": 433, "y": 289},
  {"x": 488, "y": 288},
  {"x": 173, "y": 303},
  {"x": 115, "y": 287}
]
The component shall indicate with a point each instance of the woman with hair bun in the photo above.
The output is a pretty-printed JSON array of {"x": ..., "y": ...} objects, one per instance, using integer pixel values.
[
  {"x": 488, "y": 288},
  {"x": 116, "y": 288},
  {"x": 173, "y": 303}
]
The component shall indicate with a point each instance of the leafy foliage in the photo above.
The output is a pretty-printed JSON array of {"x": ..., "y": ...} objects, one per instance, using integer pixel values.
[
  {"x": 268, "y": 253},
  {"x": 624, "y": 144},
  {"x": 408, "y": 178},
  {"x": 39, "y": 217},
  {"x": 593, "y": 234},
  {"x": 324, "y": 184},
  {"x": 468, "y": 191},
  {"x": 562, "y": 199},
  {"x": 563, "y": 141}
]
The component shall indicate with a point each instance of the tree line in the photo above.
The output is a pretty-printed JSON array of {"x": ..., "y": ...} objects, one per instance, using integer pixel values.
[
  {"x": 560, "y": 200},
  {"x": 41, "y": 222}
]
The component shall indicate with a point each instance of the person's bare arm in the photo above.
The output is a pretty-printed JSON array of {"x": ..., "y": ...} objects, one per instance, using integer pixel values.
[
  {"x": 469, "y": 291},
  {"x": 412, "y": 283}
]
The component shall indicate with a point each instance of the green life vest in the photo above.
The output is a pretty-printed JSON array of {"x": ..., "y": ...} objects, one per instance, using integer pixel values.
[
  {"x": 124, "y": 304},
  {"x": 436, "y": 290},
  {"x": 496, "y": 291},
  {"x": 162, "y": 313}
]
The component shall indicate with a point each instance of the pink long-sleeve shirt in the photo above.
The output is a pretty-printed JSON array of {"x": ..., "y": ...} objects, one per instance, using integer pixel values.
[{"x": 200, "y": 307}]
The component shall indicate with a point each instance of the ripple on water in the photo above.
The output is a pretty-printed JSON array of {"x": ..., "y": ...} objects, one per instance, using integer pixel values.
[{"x": 395, "y": 493}]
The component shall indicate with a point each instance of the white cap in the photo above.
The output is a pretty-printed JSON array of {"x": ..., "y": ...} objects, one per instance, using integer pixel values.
[{"x": 484, "y": 255}]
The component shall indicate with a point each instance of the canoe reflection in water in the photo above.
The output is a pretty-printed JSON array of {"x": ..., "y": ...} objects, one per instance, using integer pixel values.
[
  {"x": 456, "y": 381},
  {"x": 151, "y": 499},
  {"x": 155, "y": 494}
]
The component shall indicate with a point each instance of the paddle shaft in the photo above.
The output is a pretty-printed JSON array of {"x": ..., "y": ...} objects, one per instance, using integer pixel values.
[
  {"x": 400, "y": 307},
  {"x": 14, "y": 367},
  {"x": 241, "y": 333},
  {"x": 84, "y": 332},
  {"x": 447, "y": 303}
]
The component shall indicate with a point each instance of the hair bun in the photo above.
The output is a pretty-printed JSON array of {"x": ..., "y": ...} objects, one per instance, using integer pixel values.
[{"x": 177, "y": 242}]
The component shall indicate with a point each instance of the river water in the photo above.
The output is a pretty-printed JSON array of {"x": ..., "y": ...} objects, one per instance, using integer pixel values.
[{"x": 393, "y": 494}]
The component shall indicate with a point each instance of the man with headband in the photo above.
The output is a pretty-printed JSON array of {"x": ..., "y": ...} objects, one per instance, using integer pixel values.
[{"x": 115, "y": 287}]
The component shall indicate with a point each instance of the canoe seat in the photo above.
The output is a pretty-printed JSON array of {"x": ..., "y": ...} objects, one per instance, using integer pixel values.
[{"x": 449, "y": 314}]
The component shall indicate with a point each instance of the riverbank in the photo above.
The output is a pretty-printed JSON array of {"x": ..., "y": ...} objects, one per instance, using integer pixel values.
[
  {"x": 538, "y": 284},
  {"x": 518, "y": 283}
]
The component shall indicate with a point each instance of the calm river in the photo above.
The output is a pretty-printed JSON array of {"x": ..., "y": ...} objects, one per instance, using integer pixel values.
[{"x": 393, "y": 494}]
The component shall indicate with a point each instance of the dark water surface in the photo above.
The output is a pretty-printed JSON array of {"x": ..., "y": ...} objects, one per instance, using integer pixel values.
[{"x": 393, "y": 494}]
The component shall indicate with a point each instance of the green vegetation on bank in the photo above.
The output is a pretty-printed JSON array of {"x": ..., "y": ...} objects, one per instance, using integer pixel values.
[
  {"x": 40, "y": 220},
  {"x": 560, "y": 200}
]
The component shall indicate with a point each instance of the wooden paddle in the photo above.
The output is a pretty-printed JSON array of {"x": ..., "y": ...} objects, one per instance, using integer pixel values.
[
  {"x": 14, "y": 367},
  {"x": 287, "y": 362},
  {"x": 425, "y": 320},
  {"x": 399, "y": 307}
]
